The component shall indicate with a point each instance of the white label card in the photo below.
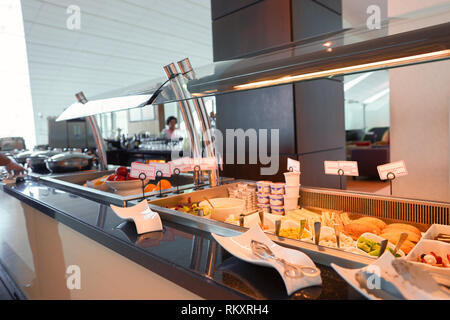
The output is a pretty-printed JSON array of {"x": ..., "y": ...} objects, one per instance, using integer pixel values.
[
  {"x": 398, "y": 169},
  {"x": 294, "y": 164},
  {"x": 183, "y": 164},
  {"x": 206, "y": 163},
  {"x": 165, "y": 168},
  {"x": 346, "y": 168},
  {"x": 138, "y": 168}
]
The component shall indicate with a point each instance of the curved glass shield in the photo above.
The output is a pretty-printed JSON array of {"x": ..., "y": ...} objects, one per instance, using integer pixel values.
[{"x": 418, "y": 37}]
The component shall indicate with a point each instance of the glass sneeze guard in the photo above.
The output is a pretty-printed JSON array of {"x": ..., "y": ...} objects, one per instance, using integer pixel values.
[{"x": 419, "y": 37}]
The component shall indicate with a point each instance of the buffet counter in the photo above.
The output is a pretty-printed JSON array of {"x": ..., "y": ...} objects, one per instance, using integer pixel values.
[{"x": 46, "y": 231}]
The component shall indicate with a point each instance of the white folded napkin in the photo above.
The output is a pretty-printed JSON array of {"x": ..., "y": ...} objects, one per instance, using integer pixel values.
[{"x": 145, "y": 219}]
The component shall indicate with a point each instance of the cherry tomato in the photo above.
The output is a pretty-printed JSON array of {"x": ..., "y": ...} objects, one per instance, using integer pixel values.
[
  {"x": 130, "y": 177},
  {"x": 122, "y": 171},
  {"x": 119, "y": 178},
  {"x": 111, "y": 177}
]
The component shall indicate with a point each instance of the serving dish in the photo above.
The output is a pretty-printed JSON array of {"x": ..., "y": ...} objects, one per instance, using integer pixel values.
[
  {"x": 425, "y": 246},
  {"x": 392, "y": 279},
  {"x": 224, "y": 207}
]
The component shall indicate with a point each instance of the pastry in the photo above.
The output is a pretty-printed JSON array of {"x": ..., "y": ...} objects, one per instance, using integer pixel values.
[
  {"x": 412, "y": 236},
  {"x": 379, "y": 223},
  {"x": 375, "y": 229},
  {"x": 354, "y": 229},
  {"x": 402, "y": 226},
  {"x": 393, "y": 237}
]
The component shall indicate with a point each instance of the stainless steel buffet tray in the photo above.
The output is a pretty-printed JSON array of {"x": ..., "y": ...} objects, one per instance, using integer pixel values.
[
  {"x": 73, "y": 183},
  {"x": 319, "y": 254}
]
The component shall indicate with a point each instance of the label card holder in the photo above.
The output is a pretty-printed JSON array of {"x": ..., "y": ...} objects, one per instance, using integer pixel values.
[
  {"x": 341, "y": 168},
  {"x": 138, "y": 168},
  {"x": 293, "y": 165}
]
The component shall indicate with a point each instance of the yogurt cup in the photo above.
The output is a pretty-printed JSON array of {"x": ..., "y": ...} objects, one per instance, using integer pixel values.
[
  {"x": 276, "y": 200},
  {"x": 263, "y": 186},
  {"x": 263, "y": 198},
  {"x": 277, "y": 188},
  {"x": 290, "y": 203},
  {"x": 292, "y": 178},
  {"x": 277, "y": 210},
  {"x": 292, "y": 190},
  {"x": 264, "y": 207}
]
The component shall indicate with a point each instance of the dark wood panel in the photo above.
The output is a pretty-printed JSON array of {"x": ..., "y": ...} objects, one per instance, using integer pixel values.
[
  {"x": 253, "y": 171},
  {"x": 268, "y": 108},
  {"x": 260, "y": 26},
  {"x": 320, "y": 115},
  {"x": 334, "y": 5},
  {"x": 313, "y": 171},
  {"x": 311, "y": 19},
  {"x": 220, "y": 8}
]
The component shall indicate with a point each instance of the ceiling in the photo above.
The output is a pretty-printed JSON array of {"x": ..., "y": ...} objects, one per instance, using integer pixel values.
[{"x": 119, "y": 43}]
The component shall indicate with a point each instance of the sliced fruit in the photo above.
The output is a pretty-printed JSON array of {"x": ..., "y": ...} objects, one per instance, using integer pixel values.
[
  {"x": 98, "y": 183},
  {"x": 163, "y": 184},
  {"x": 149, "y": 188},
  {"x": 111, "y": 177}
]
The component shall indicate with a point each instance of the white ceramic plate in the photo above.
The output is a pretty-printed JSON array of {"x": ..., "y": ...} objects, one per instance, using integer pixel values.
[
  {"x": 418, "y": 288},
  {"x": 239, "y": 246}
]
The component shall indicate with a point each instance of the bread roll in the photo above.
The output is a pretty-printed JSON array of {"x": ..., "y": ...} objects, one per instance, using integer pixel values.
[
  {"x": 379, "y": 223},
  {"x": 355, "y": 229},
  {"x": 402, "y": 226},
  {"x": 393, "y": 237},
  {"x": 396, "y": 233},
  {"x": 375, "y": 229}
]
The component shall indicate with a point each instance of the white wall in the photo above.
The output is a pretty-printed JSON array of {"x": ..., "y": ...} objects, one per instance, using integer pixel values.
[
  {"x": 420, "y": 104},
  {"x": 16, "y": 109}
]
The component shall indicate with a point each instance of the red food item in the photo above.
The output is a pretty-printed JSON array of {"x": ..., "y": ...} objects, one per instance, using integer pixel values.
[
  {"x": 131, "y": 178},
  {"x": 122, "y": 171},
  {"x": 111, "y": 177},
  {"x": 448, "y": 257},
  {"x": 119, "y": 178}
]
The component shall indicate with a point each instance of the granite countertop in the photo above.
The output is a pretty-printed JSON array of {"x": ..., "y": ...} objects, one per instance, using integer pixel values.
[{"x": 189, "y": 257}]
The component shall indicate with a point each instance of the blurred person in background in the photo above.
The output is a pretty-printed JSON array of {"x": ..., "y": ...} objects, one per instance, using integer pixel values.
[{"x": 170, "y": 131}]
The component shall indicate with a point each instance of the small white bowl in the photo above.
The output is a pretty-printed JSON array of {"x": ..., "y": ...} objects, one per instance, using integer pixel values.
[
  {"x": 440, "y": 274},
  {"x": 224, "y": 207},
  {"x": 292, "y": 178},
  {"x": 292, "y": 191},
  {"x": 378, "y": 239},
  {"x": 290, "y": 203}
]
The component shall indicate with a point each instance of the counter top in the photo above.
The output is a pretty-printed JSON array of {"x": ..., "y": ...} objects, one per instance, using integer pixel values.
[{"x": 189, "y": 257}]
